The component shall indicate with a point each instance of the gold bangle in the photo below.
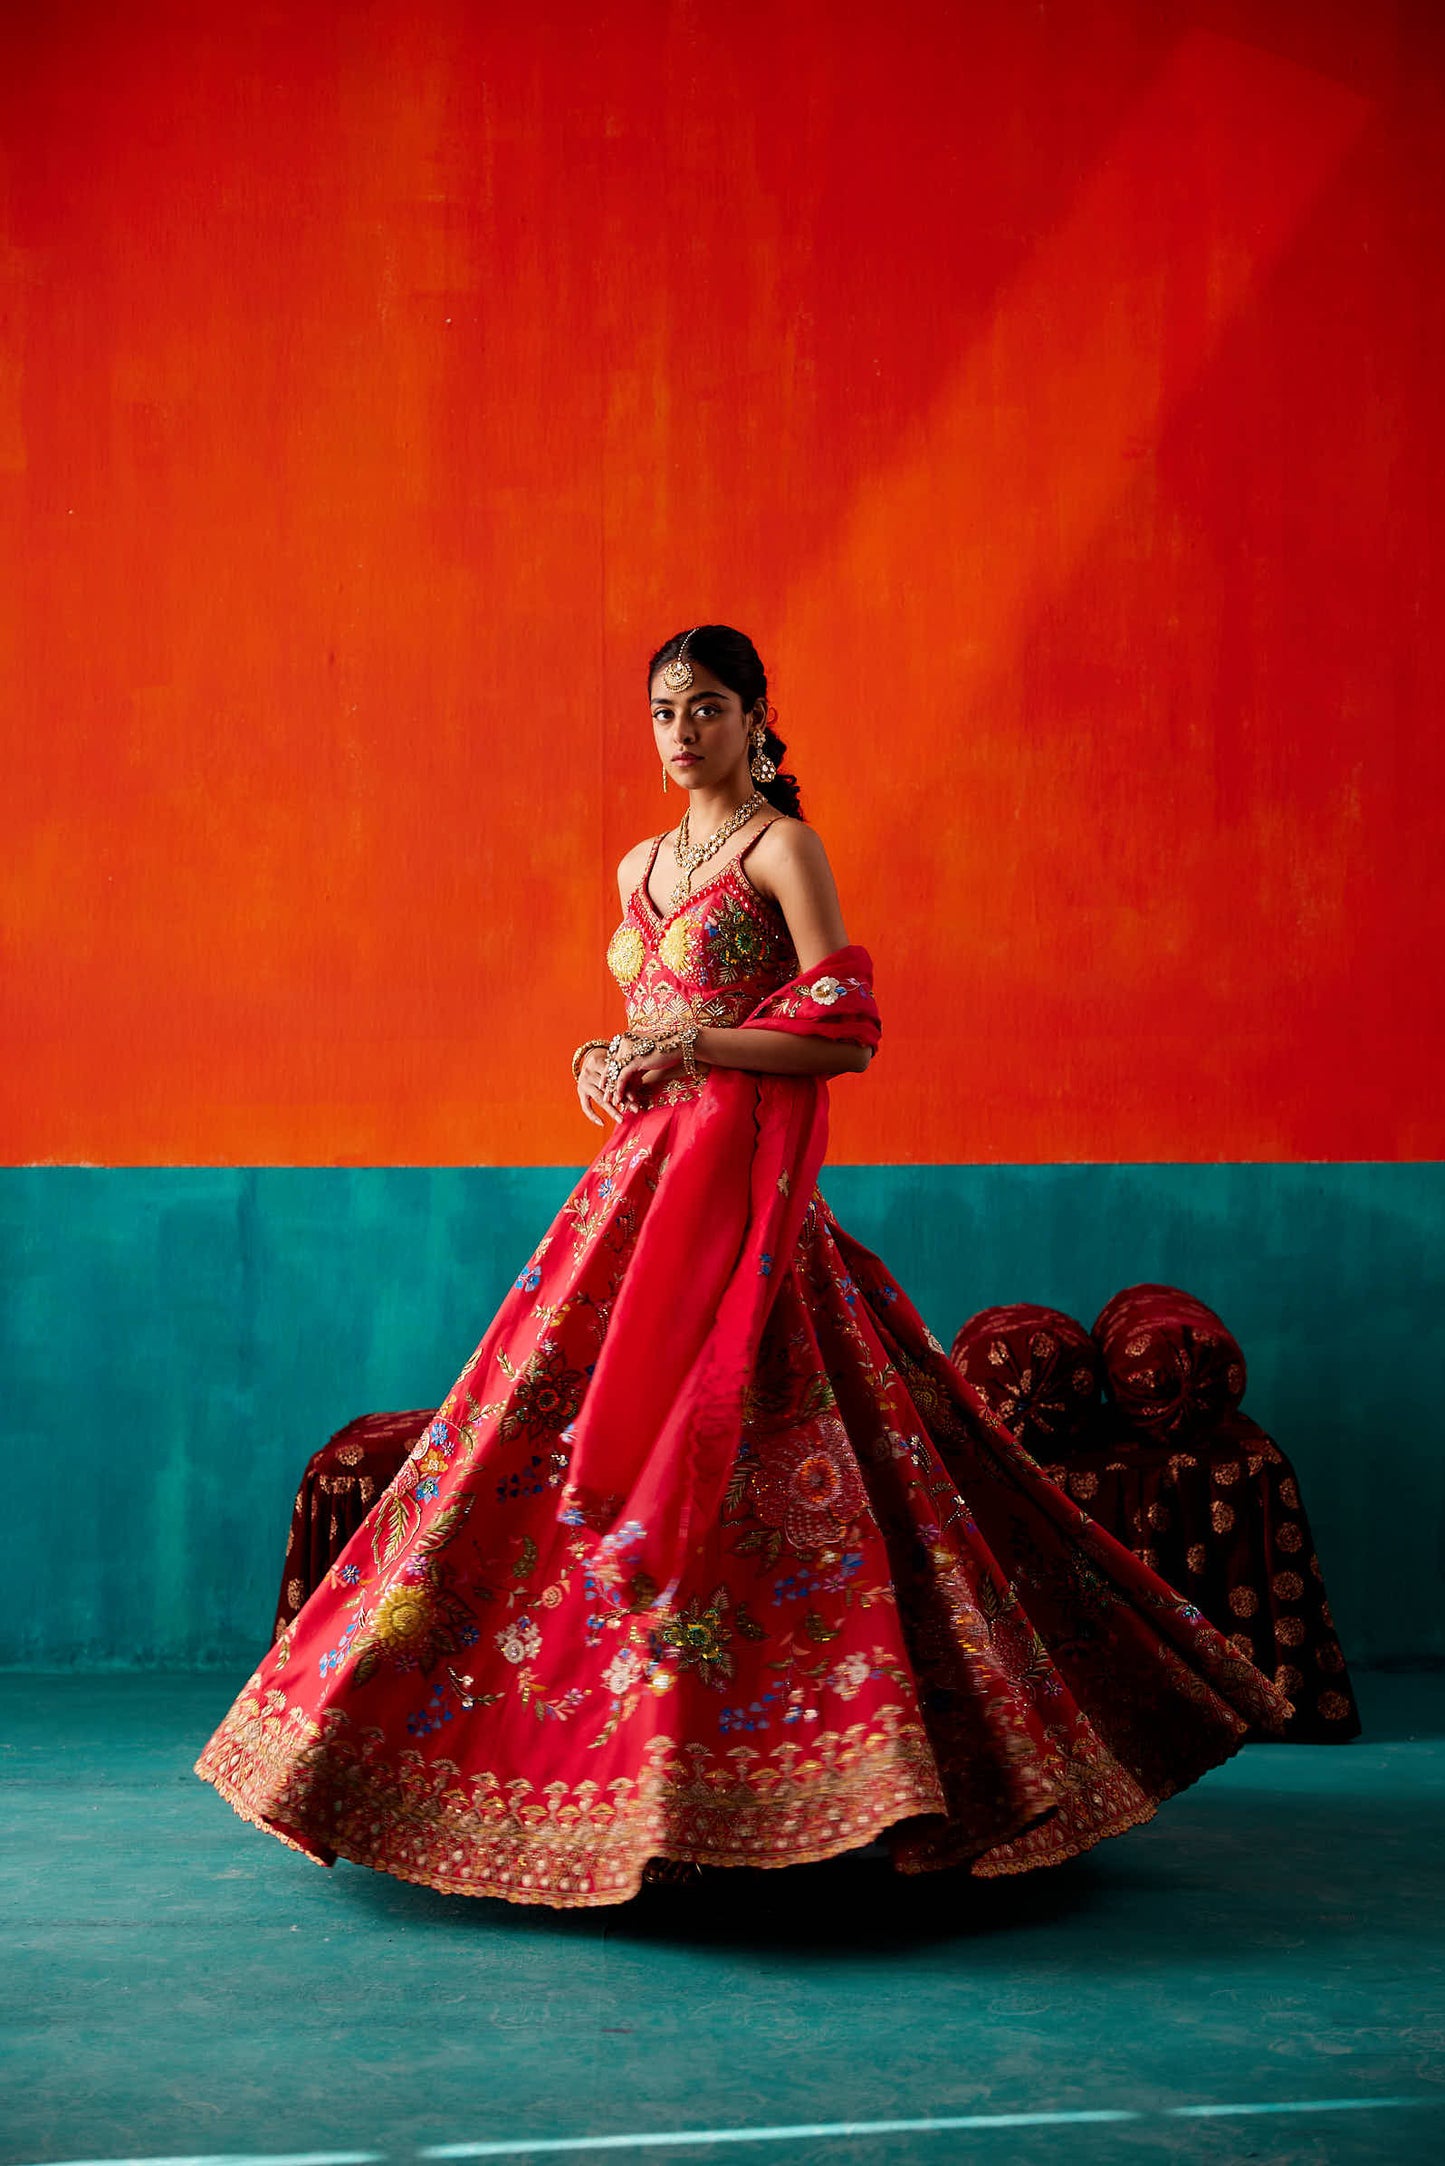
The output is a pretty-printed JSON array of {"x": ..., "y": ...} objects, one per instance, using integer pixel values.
[{"x": 590, "y": 1045}]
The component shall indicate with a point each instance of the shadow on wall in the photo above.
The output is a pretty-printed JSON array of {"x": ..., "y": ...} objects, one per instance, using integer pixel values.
[{"x": 176, "y": 1342}]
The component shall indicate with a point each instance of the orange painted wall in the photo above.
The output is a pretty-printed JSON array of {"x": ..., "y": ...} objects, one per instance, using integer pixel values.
[{"x": 1054, "y": 393}]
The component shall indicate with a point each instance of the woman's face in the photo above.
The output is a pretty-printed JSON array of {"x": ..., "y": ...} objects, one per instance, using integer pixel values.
[{"x": 702, "y": 733}]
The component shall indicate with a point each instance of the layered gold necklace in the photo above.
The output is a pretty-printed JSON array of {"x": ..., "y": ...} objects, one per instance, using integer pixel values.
[{"x": 690, "y": 854}]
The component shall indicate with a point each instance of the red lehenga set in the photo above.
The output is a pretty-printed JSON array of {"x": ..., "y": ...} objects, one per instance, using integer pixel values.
[{"x": 710, "y": 1553}]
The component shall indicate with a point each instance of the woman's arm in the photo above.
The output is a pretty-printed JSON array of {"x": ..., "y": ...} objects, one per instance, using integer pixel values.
[{"x": 773, "y": 1052}]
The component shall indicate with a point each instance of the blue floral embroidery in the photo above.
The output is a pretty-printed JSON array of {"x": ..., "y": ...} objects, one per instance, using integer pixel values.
[
  {"x": 422, "y": 1721},
  {"x": 530, "y": 1279},
  {"x": 335, "y": 1656},
  {"x": 804, "y": 1584},
  {"x": 765, "y": 1265},
  {"x": 752, "y": 1717},
  {"x": 427, "y": 1486},
  {"x": 528, "y": 1481}
]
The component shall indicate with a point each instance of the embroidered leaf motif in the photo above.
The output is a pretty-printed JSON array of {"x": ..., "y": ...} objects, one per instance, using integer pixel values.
[
  {"x": 448, "y": 1523},
  {"x": 368, "y": 1662},
  {"x": 397, "y": 1518},
  {"x": 527, "y": 1558},
  {"x": 767, "y": 1541},
  {"x": 747, "y": 1624},
  {"x": 505, "y": 1362},
  {"x": 818, "y": 1631},
  {"x": 818, "y": 1398},
  {"x": 643, "y": 1590}
]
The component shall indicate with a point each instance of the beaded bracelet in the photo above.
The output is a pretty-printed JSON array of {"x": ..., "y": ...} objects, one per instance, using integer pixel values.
[{"x": 683, "y": 1041}]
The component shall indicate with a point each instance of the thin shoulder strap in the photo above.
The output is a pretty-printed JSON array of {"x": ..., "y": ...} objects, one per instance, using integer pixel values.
[
  {"x": 652, "y": 857},
  {"x": 757, "y": 836}
]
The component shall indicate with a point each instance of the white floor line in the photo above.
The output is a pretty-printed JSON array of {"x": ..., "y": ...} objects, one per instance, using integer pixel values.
[
  {"x": 244, "y": 2158},
  {"x": 680, "y": 2138},
  {"x": 796, "y": 2130},
  {"x": 683, "y": 2138}
]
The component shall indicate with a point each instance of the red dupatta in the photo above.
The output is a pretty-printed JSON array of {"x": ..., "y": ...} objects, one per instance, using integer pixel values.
[{"x": 661, "y": 1422}]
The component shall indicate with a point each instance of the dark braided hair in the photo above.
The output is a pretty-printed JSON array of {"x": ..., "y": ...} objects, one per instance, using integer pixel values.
[{"x": 734, "y": 661}]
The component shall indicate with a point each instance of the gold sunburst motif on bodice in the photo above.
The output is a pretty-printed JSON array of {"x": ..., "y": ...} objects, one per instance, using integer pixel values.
[
  {"x": 625, "y": 954},
  {"x": 675, "y": 945}
]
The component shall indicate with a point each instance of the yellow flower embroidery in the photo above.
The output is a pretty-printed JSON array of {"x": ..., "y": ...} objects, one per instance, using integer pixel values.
[
  {"x": 404, "y": 1616},
  {"x": 625, "y": 954}
]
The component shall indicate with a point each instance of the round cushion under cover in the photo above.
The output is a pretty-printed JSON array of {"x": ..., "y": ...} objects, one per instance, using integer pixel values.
[
  {"x": 1038, "y": 1369},
  {"x": 1171, "y": 1366}
]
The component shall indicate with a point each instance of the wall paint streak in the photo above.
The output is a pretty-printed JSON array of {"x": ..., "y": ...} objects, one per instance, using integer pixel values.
[{"x": 1054, "y": 393}]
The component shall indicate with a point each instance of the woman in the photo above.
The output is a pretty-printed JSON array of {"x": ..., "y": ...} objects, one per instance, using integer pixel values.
[{"x": 710, "y": 1554}]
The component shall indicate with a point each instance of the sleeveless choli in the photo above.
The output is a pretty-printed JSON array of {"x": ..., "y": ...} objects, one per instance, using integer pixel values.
[
  {"x": 708, "y": 961},
  {"x": 891, "y": 1623}
]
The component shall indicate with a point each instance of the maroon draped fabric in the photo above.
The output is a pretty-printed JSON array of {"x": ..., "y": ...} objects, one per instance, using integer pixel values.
[
  {"x": 1171, "y": 1366},
  {"x": 1222, "y": 1520},
  {"x": 1039, "y": 1370},
  {"x": 341, "y": 1483}
]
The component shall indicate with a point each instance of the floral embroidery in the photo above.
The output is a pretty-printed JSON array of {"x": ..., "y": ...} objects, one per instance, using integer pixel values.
[
  {"x": 520, "y": 1640},
  {"x": 418, "y": 1619},
  {"x": 698, "y": 1637},
  {"x": 547, "y": 1396},
  {"x": 808, "y": 1484},
  {"x": 820, "y": 993}
]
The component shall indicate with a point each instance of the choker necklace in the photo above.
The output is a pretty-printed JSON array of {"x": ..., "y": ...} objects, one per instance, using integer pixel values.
[{"x": 691, "y": 854}]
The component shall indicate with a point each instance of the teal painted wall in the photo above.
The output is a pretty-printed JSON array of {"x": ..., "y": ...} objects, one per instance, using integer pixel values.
[{"x": 175, "y": 1342}]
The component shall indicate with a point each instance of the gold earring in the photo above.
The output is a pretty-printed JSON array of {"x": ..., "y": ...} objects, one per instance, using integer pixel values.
[
  {"x": 760, "y": 766},
  {"x": 664, "y": 774}
]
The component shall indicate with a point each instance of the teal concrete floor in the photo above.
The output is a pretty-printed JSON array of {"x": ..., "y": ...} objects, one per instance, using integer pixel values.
[{"x": 179, "y": 1986}]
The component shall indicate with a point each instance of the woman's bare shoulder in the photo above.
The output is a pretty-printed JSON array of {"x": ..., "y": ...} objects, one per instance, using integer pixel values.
[
  {"x": 632, "y": 867},
  {"x": 796, "y": 874},
  {"x": 787, "y": 846}
]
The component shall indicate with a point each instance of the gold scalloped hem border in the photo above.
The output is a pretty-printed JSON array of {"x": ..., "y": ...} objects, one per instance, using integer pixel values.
[
  {"x": 255, "y": 1818},
  {"x": 817, "y": 1853},
  {"x": 989, "y": 1867},
  {"x": 984, "y": 1864}
]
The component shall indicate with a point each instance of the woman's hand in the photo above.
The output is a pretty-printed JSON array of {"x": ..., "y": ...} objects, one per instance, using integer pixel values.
[
  {"x": 639, "y": 1064},
  {"x": 644, "y": 1064},
  {"x": 592, "y": 1086}
]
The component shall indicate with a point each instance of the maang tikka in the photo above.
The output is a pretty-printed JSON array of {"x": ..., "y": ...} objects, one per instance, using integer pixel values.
[{"x": 678, "y": 674}]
